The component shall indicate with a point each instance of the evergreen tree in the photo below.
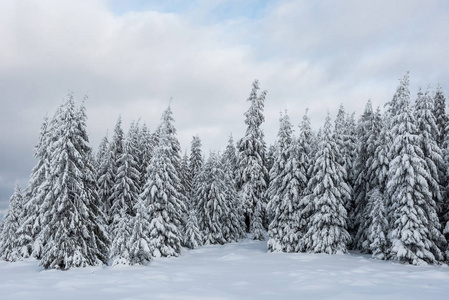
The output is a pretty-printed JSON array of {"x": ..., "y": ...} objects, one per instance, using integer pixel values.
[
  {"x": 212, "y": 203},
  {"x": 361, "y": 180},
  {"x": 102, "y": 152},
  {"x": 124, "y": 198},
  {"x": 303, "y": 152},
  {"x": 433, "y": 155},
  {"x": 307, "y": 142},
  {"x": 162, "y": 199},
  {"x": 342, "y": 139},
  {"x": 378, "y": 225},
  {"x": 327, "y": 225},
  {"x": 146, "y": 147},
  {"x": 72, "y": 234},
  {"x": 441, "y": 119},
  {"x": 230, "y": 160},
  {"x": 29, "y": 242},
  {"x": 229, "y": 164},
  {"x": 108, "y": 170},
  {"x": 253, "y": 174},
  {"x": 363, "y": 207},
  {"x": 414, "y": 226},
  {"x": 195, "y": 165},
  {"x": 186, "y": 180},
  {"x": 288, "y": 179},
  {"x": 141, "y": 249},
  {"x": 9, "y": 247},
  {"x": 193, "y": 237}
]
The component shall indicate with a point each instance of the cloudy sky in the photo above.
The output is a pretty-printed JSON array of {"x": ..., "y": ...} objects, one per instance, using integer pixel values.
[{"x": 130, "y": 57}]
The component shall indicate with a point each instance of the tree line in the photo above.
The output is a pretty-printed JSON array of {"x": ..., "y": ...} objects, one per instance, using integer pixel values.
[{"x": 378, "y": 184}]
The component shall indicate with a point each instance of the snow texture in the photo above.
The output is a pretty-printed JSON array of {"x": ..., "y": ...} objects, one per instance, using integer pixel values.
[{"x": 241, "y": 270}]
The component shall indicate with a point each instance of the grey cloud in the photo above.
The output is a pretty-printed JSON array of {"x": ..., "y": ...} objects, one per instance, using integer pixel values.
[{"x": 305, "y": 53}]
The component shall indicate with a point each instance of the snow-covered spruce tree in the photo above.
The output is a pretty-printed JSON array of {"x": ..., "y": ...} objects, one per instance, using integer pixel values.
[
  {"x": 146, "y": 147},
  {"x": 253, "y": 174},
  {"x": 9, "y": 248},
  {"x": 327, "y": 225},
  {"x": 195, "y": 165},
  {"x": 163, "y": 202},
  {"x": 361, "y": 179},
  {"x": 307, "y": 141},
  {"x": 277, "y": 172},
  {"x": 302, "y": 151},
  {"x": 175, "y": 156},
  {"x": 196, "y": 156},
  {"x": 236, "y": 218},
  {"x": 377, "y": 165},
  {"x": 108, "y": 169},
  {"x": 125, "y": 195},
  {"x": 433, "y": 155},
  {"x": 441, "y": 119},
  {"x": 288, "y": 179},
  {"x": 72, "y": 234},
  {"x": 193, "y": 237},
  {"x": 184, "y": 175},
  {"x": 342, "y": 139},
  {"x": 88, "y": 176},
  {"x": 277, "y": 186},
  {"x": 134, "y": 138},
  {"x": 414, "y": 227},
  {"x": 28, "y": 241},
  {"x": 102, "y": 151},
  {"x": 377, "y": 234},
  {"x": 371, "y": 182},
  {"x": 211, "y": 200},
  {"x": 105, "y": 175},
  {"x": 140, "y": 248}
]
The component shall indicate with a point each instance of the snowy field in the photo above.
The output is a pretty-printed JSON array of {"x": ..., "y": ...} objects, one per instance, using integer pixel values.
[{"x": 234, "y": 271}]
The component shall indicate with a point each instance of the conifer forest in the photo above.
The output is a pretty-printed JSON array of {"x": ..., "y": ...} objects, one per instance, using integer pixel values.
[{"x": 377, "y": 183}]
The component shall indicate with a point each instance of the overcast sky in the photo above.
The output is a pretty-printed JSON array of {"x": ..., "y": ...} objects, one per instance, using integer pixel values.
[{"x": 130, "y": 57}]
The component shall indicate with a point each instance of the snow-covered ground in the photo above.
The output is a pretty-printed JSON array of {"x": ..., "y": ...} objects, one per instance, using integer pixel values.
[{"x": 235, "y": 271}]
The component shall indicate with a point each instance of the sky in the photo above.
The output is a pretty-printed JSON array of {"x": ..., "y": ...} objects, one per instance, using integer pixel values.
[{"x": 131, "y": 57}]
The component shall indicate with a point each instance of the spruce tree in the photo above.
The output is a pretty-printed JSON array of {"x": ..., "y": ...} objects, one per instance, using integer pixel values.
[
  {"x": 253, "y": 174},
  {"x": 303, "y": 152},
  {"x": 306, "y": 142},
  {"x": 212, "y": 203},
  {"x": 9, "y": 247},
  {"x": 124, "y": 198},
  {"x": 108, "y": 170},
  {"x": 288, "y": 179},
  {"x": 377, "y": 234},
  {"x": 327, "y": 225},
  {"x": 277, "y": 186},
  {"x": 146, "y": 147},
  {"x": 193, "y": 237},
  {"x": 414, "y": 226},
  {"x": 236, "y": 218},
  {"x": 73, "y": 235},
  {"x": 363, "y": 207},
  {"x": 195, "y": 165},
  {"x": 140, "y": 249},
  {"x": 433, "y": 155},
  {"x": 29, "y": 241},
  {"x": 361, "y": 179},
  {"x": 441, "y": 119},
  {"x": 342, "y": 139},
  {"x": 162, "y": 200}
]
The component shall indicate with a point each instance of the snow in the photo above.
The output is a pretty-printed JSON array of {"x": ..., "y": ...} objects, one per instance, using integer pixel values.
[{"x": 241, "y": 270}]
